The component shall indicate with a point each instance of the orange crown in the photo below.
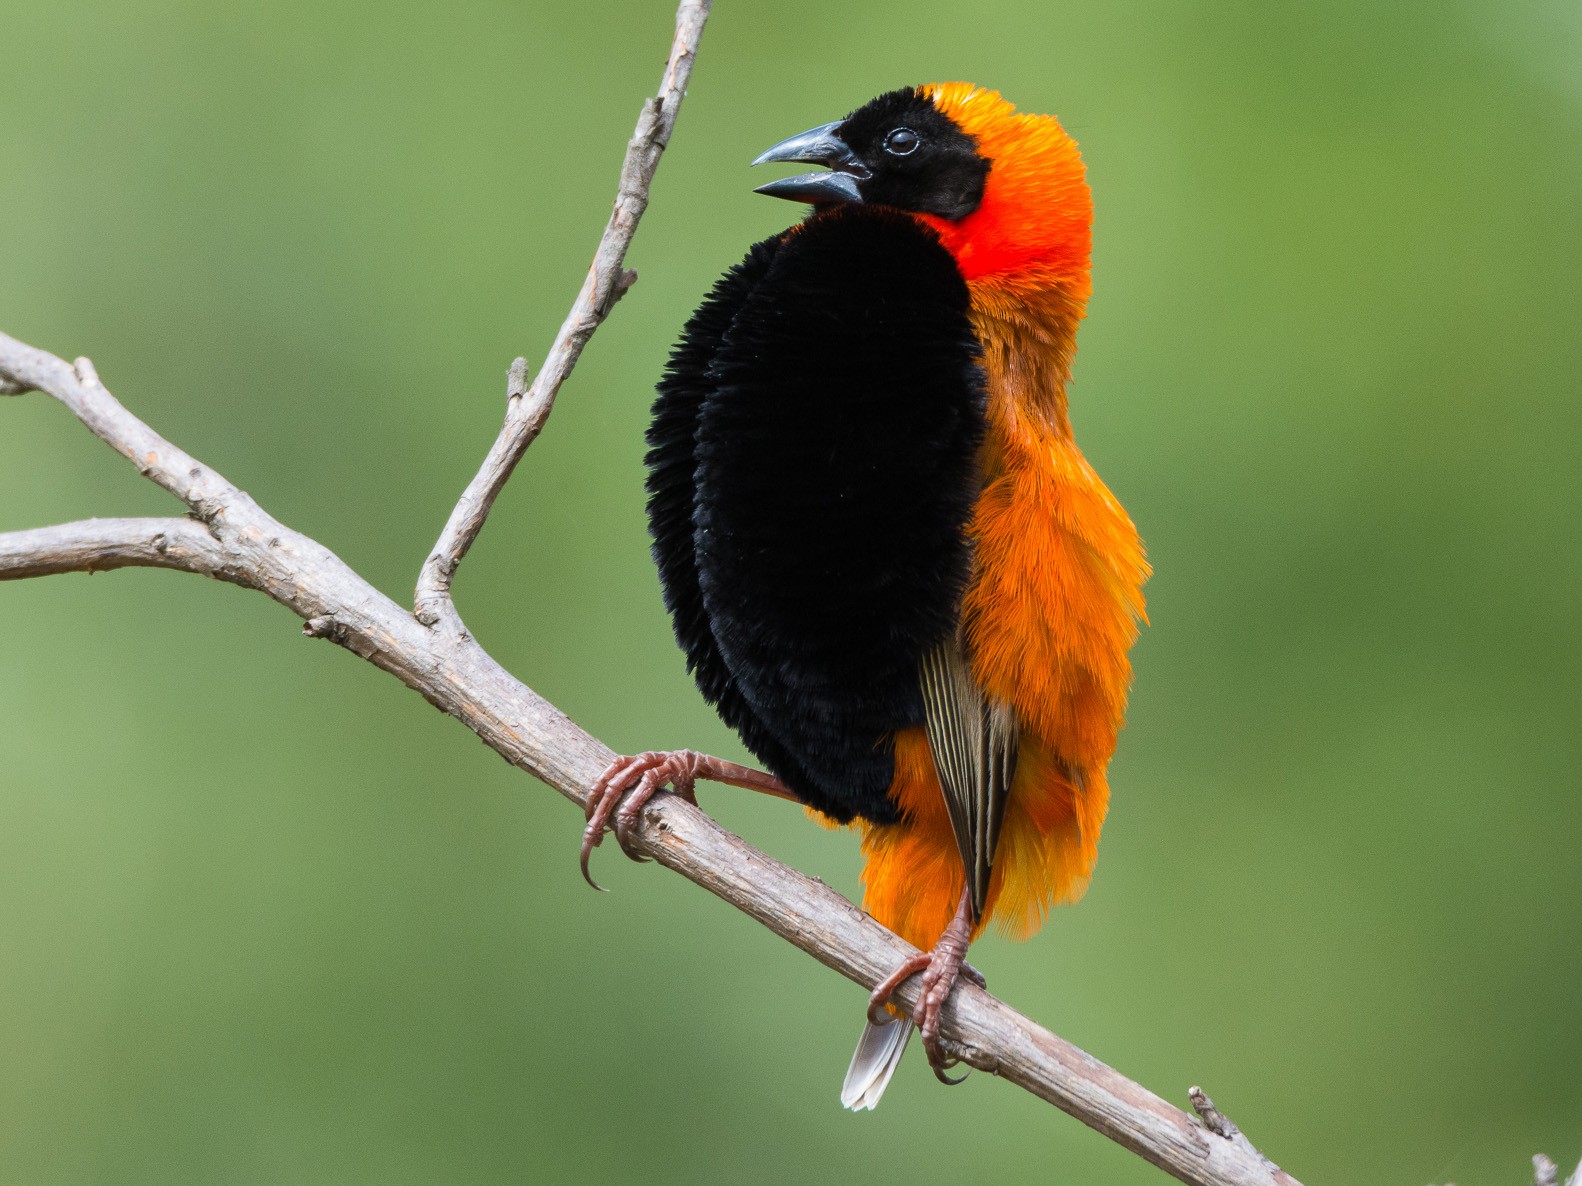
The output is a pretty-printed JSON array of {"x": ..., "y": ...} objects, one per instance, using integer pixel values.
[{"x": 1034, "y": 226}]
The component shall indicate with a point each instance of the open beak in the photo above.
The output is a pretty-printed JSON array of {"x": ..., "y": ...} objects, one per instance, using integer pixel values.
[{"x": 819, "y": 146}]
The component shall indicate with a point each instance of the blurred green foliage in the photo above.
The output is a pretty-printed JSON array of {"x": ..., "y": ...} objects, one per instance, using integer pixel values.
[{"x": 266, "y": 917}]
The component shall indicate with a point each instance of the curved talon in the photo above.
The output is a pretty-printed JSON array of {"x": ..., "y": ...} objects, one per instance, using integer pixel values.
[
  {"x": 938, "y": 981},
  {"x": 587, "y": 851},
  {"x": 948, "y": 1080},
  {"x": 941, "y": 968},
  {"x": 593, "y": 834},
  {"x": 969, "y": 973},
  {"x": 613, "y": 794},
  {"x": 938, "y": 1061}
]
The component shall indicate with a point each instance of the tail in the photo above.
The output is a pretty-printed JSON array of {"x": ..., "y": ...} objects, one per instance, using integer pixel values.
[{"x": 879, "y": 1052}]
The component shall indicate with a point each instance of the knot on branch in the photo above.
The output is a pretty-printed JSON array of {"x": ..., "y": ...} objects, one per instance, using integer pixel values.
[
  {"x": 1225, "y": 1128},
  {"x": 206, "y": 511},
  {"x": 516, "y": 379},
  {"x": 433, "y": 593},
  {"x": 1213, "y": 1119},
  {"x": 87, "y": 374},
  {"x": 327, "y": 627}
]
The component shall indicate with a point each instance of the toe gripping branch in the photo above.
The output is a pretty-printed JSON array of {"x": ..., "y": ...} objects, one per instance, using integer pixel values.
[
  {"x": 623, "y": 790},
  {"x": 940, "y": 968},
  {"x": 617, "y": 799}
]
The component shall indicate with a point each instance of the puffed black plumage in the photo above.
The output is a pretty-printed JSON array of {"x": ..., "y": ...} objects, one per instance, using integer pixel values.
[{"x": 811, "y": 473}]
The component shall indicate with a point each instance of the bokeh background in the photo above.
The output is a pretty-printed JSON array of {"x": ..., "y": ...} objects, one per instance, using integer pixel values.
[{"x": 266, "y": 917}]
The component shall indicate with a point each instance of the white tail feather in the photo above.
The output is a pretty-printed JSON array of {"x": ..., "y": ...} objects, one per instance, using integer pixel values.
[{"x": 878, "y": 1053}]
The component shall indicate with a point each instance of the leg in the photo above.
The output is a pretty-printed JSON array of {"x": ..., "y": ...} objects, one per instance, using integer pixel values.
[
  {"x": 627, "y": 784},
  {"x": 940, "y": 968}
]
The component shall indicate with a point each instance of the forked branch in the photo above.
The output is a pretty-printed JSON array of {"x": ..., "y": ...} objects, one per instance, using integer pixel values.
[{"x": 235, "y": 540}]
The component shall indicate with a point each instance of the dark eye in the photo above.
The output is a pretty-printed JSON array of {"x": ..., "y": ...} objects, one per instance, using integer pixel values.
[{"x": 901, "y": 141}]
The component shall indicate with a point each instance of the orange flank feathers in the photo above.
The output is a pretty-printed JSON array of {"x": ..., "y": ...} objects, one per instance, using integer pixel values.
[
  {"x": 914, "y": 875},
  {"x": 1056, "y": 594}
]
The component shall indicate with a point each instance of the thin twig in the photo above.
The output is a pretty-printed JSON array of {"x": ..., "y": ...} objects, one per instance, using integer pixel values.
[
  {"x": 607, "y": 281},
  {"x": 206, "y": 493},
  {"x": 240, "y": 542},
  {"x": 526, "y": 411}
]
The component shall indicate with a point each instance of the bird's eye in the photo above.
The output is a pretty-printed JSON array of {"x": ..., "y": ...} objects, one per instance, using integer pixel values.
[{"x": 901, "y": 142}]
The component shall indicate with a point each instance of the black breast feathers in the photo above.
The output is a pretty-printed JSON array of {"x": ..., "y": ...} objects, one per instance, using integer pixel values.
[{"x": 812, "y": 468}]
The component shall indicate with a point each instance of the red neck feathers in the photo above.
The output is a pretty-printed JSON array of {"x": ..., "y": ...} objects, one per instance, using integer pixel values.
[{"x": 1024, "y": 252}]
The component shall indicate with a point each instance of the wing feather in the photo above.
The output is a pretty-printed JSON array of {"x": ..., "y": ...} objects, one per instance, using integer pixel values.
[{"x": 974, "y": 742}]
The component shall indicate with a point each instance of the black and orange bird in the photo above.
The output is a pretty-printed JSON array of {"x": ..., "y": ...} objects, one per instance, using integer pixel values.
[{"x": 891, "y": 569}]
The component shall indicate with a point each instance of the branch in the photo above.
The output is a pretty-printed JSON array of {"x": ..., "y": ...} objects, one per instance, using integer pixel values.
[
  {"x": 243, "y": 544},
  {"x": 231, "y": 538},
  {"x": 98, "y": 545},
  {"x": 606, "y": 283},
  {"x": 452, "y": 672}
]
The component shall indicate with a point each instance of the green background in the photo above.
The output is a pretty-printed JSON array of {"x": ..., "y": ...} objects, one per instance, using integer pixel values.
[{"x": 266, "y": 917}]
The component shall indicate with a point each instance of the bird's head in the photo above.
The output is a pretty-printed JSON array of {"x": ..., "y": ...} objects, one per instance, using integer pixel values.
[{"x": 1005, "y": 191}]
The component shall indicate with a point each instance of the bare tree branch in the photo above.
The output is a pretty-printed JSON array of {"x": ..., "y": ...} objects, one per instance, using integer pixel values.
[
  {"x": 450, "y": 670},
  {"x": 98, "y": 545},
  {"x": 526, "y": 410},
  {"x": 243, "y": 544},
  {"x": 206, "y": 493},
  {"x": 231, "y": 538},
  {"x": 606, "y": 283}
]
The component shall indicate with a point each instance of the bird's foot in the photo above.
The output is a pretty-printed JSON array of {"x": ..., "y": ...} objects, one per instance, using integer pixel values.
[
  {"x": 941, "y": 968},
  {"x": 627, "y": 785}
]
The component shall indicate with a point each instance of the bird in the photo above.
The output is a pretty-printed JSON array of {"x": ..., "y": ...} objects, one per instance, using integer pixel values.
[{"x": 890, "y": 568}]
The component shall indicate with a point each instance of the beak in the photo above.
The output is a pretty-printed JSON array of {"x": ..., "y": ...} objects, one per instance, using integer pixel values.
[{"x": 819, "y": 146}]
